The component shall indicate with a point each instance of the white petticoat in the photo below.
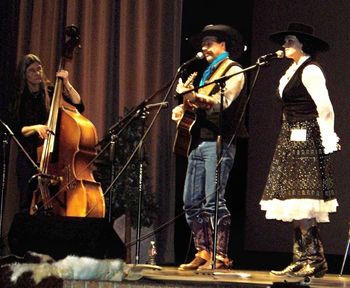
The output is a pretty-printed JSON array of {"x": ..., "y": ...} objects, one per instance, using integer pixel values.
[{"x": 297, "y": 209}]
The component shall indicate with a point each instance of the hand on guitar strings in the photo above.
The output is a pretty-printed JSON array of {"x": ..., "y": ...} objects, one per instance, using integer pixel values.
[
  {"x": 177, "y": 113},
  {"x": 195, "y": 101}
]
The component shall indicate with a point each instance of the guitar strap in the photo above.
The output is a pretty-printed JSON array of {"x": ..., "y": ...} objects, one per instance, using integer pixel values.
[{"x": 220, "y": 71}]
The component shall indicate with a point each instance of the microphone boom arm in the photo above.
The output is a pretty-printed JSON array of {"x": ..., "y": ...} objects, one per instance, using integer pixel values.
[
  {"x": 263, "y": 60},
  {"x": 221, "y": 79}
]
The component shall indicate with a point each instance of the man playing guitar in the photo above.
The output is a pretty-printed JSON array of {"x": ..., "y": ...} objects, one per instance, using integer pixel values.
[{"x": 220, "y": 44}]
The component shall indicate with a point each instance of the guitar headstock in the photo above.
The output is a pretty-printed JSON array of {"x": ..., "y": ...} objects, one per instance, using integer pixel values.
[{"x": 190, "y": 79}]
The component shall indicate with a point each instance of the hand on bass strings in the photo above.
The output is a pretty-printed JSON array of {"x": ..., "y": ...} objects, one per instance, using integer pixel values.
[{"x": 42, "y": 130}]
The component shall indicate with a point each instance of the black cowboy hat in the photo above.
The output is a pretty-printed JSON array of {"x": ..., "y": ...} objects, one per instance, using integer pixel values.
[
  {"x": 232, "y": 38},
  {"x": 304, "y": 33}
]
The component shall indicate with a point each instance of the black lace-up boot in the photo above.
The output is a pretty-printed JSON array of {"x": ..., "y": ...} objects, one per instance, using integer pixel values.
[
  {"x": 299, "y": 255},
  {"x": 316, "y": 261}
]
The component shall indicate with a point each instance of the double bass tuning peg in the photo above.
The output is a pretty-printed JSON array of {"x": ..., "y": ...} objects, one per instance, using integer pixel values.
[{"x": 72, "y": 31}]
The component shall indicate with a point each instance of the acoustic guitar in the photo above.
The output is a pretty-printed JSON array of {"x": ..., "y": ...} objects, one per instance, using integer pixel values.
[{"x": 183, "y": 137}]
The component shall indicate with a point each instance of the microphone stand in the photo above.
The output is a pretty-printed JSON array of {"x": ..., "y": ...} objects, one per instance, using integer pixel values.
[
  {"x": 122, "y": 124},
  {"x": 20, "y": 146},
  {"x": 221, "y": 81},
  {"x": 5, "y": 143},
  {"x": 111, "y": 159},
  {"x": 346, "y": 254},
  {"x": 126, "y": 120},
  {"x": 139, "y": 148},
  {"x": 170, "y": 86},
  {"x": 113, "y": 133},
  {"x": 143, "y": 114},
  {"x": 218, "y": 170},
  {"x": 116, "y": 129}
]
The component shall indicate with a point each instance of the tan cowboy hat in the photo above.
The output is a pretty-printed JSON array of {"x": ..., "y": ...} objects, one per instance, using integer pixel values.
[
  {"x": 232, "y": 38},
  {"x": 305, "y": 33}
]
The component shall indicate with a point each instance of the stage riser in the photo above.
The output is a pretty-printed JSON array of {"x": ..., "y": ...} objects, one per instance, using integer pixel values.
[{"x": 151, "y": 284}]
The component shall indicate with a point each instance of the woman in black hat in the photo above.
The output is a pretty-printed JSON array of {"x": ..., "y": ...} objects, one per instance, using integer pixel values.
[
  {"x": 218, "y": 43},
  {"x": 300, "y": 185}
]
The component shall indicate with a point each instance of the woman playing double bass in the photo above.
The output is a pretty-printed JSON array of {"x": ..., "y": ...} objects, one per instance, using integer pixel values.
[{"x": 29, "y": 110}]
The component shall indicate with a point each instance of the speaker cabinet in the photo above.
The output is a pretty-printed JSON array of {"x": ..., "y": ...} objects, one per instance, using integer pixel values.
[{"x": 59, "y": 236}]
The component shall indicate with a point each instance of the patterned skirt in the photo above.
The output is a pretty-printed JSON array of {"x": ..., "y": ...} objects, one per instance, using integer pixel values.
[{"x": 300, "y": 183}]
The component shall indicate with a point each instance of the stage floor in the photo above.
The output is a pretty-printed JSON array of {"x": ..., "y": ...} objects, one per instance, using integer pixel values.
[{"x": 171, "y": 277}]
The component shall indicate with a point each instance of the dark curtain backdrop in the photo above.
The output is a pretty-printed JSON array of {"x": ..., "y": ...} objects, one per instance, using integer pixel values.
[{"x": 129, "y": 50}]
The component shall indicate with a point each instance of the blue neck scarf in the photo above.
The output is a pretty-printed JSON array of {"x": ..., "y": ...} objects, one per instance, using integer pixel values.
[{"x": 207, "y": 72}]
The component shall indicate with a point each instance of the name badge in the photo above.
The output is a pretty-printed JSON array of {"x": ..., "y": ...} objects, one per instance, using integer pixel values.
[{"x": 298, "y": 135}]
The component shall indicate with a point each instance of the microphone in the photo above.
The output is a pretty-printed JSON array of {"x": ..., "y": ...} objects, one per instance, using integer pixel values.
[
  {"x": 278, "y": 54},
  {"x": 157, "y": 105},
  {"x": 152, "y": 106},
  {"x": 199, "y": 56},
  {"x": 7, "y": 128},
  {"x": 112, "y": 148}
]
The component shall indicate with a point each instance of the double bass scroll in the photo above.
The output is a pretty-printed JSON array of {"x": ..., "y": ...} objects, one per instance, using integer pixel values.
[{"x": 66, "y": 154}]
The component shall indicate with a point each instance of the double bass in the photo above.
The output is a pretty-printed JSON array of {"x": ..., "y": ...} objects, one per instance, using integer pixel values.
[{"x": 66, "y": 185}]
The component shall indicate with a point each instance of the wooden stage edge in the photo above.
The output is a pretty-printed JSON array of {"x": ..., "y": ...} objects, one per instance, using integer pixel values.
[{"x": 171, "y": 277}]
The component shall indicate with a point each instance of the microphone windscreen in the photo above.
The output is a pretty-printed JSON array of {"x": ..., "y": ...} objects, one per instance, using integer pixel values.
[
  {"x": 280, "y": 54},
  {"x": 200, "y": 55}
]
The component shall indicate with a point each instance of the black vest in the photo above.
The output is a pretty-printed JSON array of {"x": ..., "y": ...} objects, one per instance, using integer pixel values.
[
  {"x": 297, "y": 104},
  {"x": 207, "y": 125}
]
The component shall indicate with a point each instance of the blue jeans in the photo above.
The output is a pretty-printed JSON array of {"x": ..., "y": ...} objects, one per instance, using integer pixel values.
[{"x": 200, "y": 185}]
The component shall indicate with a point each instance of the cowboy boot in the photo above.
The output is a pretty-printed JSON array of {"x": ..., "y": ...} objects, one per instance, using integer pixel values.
[
  {"x": 223, "y": 235},
  {"x": 299, "y": 255},
  {"x": 316, "y": 261},
  {"x": 203, "y": 242}
]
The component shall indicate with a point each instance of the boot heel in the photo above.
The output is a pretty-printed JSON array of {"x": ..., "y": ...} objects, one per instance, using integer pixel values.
[{"x": 320, "y": 274}]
